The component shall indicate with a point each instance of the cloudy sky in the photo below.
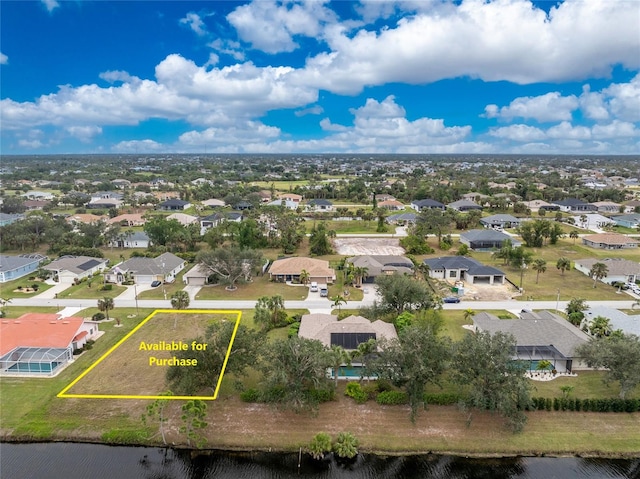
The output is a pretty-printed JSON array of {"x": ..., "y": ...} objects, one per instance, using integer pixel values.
[{"x": 405, "y": 76}]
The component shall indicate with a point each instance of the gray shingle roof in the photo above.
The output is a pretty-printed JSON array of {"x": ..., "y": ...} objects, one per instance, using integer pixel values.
[
  {"x": 151, "y": 266},
  {"x": 376, "y": 264},
  {"x": 488, "y": 235},
  {"x": 74, "y": 264},
  {"x": 9, "y": 263},
  {"x": 474, "y": 267}
]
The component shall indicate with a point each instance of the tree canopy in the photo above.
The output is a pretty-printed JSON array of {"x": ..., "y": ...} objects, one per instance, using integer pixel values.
[
  {"x": 231, "y": 265},
  {"x": 401, "y": 293}
]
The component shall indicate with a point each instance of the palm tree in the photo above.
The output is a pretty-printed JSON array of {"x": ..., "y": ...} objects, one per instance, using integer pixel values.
[
  {"x": 583, "y": 220},
  {"x": 469, "y": 314},
  {"x": 3, "y": 304},
  {"x": 304, "y": 277},
  {"x": 179, "y": 300},
  {"x": 600, "y": 327},
  {"x": 339, "y": 356},
  {"x": 337, "y": 301},
  {"x": 539, "y": 266},
  {"x": 361, "y": 272},
  {"x": 105, "y": 305},
  {"x": 636, "y": 303},
  {"x": 573, "y": 235},
  {"x": 563, "y": 264},
  {"x": 598, "y": 271}
]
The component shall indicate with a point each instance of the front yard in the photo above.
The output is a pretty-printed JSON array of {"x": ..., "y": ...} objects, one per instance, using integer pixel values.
[{"x": 260, "y": 286}]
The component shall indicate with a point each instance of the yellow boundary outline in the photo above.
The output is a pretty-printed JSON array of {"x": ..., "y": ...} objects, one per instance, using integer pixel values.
[{"x": 63, "y": 393}]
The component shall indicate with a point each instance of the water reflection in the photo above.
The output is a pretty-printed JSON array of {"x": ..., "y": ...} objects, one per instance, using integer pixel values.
[{"x": 70, "y": 461}]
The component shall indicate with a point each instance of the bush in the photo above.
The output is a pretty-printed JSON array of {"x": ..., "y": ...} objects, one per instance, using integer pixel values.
[
  {"x": 322, "y": 395},
  {"x": 35, "y": 286},
  {"x": 293, "y": 330},
  {"x": 392, "y": 398},
  {"x": 442, "y": 399},
  {"x": 106, "y": 287},
  {"x": 320, "y": 445},
  {"x": 346, "y": 445},
  {"x": 89, "y": 345},
  {"x": 354, "y": 390},
  {"x": 250, "y": 395},
  {"x": 98, "y": 317}
]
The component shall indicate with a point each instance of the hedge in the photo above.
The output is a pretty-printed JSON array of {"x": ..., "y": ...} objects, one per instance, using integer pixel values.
[
  {"x": 390, "y": 398},
  {"x": 589, "y": 405},
  {"x": 442, "y": 399}
]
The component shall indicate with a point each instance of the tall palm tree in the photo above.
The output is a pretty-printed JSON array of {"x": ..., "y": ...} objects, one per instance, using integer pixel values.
[
  {"x": 339, "y": 356},
  {"x": 600, "y": 327},
  {"x": 105, "y": 305},
  {"x": 304, "y": 277},
  {"x": 539, "y": 266},
  {"x": 338, "y": 300},
  {"x": 598, "y": 271},
  {"x": 179, "y": 300},
  {"x": 573, "y": 235},
  {"x": 360, "y": 273},
  {"x": 563, "y": 264}
]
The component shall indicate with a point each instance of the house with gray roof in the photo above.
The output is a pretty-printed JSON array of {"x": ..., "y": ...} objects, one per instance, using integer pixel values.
[
  {"x": 14, "y": 267},
  {"x": 610, "y": 241},
  {"x": 618, "y": 269},
  {"x": 461, "y": 268},
  {"x": 464, "y": 205},
  {"x": 135, "y": 239},
  {"x": 68, "y": 269},
  {"x": 381, "y": 265},
  {"x": 628, "y": 324},
  {"x": 500, "y": 221},
  {"x": 486, "y": 239},
  {"x": 427, "y": 204},
  {"x": 10, "y": 218},
  {"x": 320, "y": 204},
  {"x": 401, "y": 219},
  {"x": 174, "y": 205},
  {"x": 147, "y": 270},
  {"x": 631, "y": 220},
  {"x": 540, "y": 335}
]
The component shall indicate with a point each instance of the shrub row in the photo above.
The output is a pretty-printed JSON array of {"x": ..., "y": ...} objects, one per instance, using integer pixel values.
[
  {"x": 275, "y": 395},
  {"x": 442, "y": 399},
  {"x": 591, "y": 405},
  {"x": 355, "y": 391},
  {"x": 390, "y": 398}
]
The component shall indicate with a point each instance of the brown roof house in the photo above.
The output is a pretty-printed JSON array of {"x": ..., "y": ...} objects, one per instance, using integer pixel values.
[
  {"x": 348, "y": 333},
  {"x": 289, "y": 270},
  {"x": 618, "y": 269},
  {"x": 610, "y": 241}
]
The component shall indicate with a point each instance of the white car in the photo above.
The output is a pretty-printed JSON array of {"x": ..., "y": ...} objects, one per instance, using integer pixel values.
[{"x": 314, "y": 287}]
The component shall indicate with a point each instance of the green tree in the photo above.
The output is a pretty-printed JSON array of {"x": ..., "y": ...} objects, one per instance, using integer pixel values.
[
  {"x": 293, "y": 369},
  {"x": 179, "y": 300},
  {"x": 339, "y": 356},
  {"x": 338, "y": 300},
  {"x": 504, "y": 253},
  {"x": 245, "y": 353},
  {"x": 563, "y": 264},
  {"x": 399, "y": 293},
  {"x": 539, "y": 266},
  {"x": 304, "y": 277},
  {"x": 320, "y": 445},
  {"x": 484, "y": 363},
  {"x": 319, "y": 243},
  {"x": 432, "y": 221},
  {"x": 269, "y": 312},
  {"x": 155, "y": 412},
  {"x": 544, "y": 365},
  {"x": 468, "y": 315},
  {"x": 193, "y": 417},
  {"x": 598, "y": 271},
  {"x": 231, "y": 265},
  {"x": 619, "y": 355},
  {"x": 417, "y": 358},
  {"x": 105, "y": 305},
  {"x": 346, "y": 445},
  {"x": 600, "y": 327},
  {"x": 161, "y": 231},
  {"x": 574, "y": 235}
]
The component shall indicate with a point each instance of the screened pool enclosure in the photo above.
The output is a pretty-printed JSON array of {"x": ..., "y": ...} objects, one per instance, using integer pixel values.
[{"x": 35, "y": 361}]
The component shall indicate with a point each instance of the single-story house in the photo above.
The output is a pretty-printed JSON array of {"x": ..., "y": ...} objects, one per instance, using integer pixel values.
[
  {"x": 137, "y": 239},
  {"x": 401, "y": 219},
  {"x": 10, "y": 218},
  {"x": 42, "y": 344},
  {"x": 105, "y": 200},
  {"x": 537, "y": 205},
  {"x": 288, "y": 204},
  {"x": 174, "y": 205},
  {"x": 33, "y": 205},
  {"x": 291, "y": 197},
  {"x": 348, "y": 333},
  {"x": 461, "y": 268},
  {"x": 14, "y": 267},
  {"x": 574, "y": 205},
  {"x": 213, "y": 203},
  {"x": 592, "y": 221},
  {"x": 129, "y": 219},
  {"x": 632, "y": 206},
  {"x": 426, "y": 204},
  {"x": 486, "y": 239},
  {"x": 320, "y": 204},
  {"x": 628, "y": 221},
  {"x": 464, "y": 205},
  {"x": 618, "y": 269},
  {"x": 629, "y": 324},
  {"x": 289, "y": 269},
  {"x": 539, "y": 336},
  {"x": 86, "y": 218},
  {"x": 243, "y": 205},
  {"x": 121, "y": 183},
  {"x": 381, "y": 265},
  {"x": 68, "y": 269},
  {"x": 197, "y": 276},
  {"x": 215, "y": 219},
  {"x": 607, "y": 206},
  {"x": 183, "y": 218},
  {"x": 500, "y": 221},
  {"x": 38, "y": 195},
  {"x": 147, "y": 270},
  {"x": 610, "y": 241},
  {"x": 391, "y": 205}
]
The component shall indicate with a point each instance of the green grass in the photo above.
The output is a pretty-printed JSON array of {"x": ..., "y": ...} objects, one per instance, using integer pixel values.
[
  {"x": 587, "y": 385},
  {"x": 17, "y": 311},
  {"x": 169, "y": 288},
  {"x": 261, "y": 286},
  {"x": 83, "y": 291},
  {"x": 10, "y": 288}
]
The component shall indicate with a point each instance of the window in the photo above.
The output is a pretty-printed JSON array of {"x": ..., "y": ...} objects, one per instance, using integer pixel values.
[{"x": 453, "y": 274}]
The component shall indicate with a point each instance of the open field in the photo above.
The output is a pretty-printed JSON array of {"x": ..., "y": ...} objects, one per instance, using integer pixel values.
[{"x": 128, "y": 370}]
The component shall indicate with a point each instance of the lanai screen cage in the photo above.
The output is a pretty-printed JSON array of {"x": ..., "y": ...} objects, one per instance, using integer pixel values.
[
  {"x": 36, "y": 361},
  {"x": 532, "y": 355}
]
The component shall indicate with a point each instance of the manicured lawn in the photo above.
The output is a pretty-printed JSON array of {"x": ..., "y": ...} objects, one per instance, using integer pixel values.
[
  {"x": 10, "y": 288},
  {"x": 261, "y": 286},
  {"x": 17, "y": 311},
  {"x": 587, "y": 385},
  {"x": 169, "y": 288},
  {"x": 355, "y": 294},
  {"x": 83, "y": 291},
  {"x": 115, "y": 255}
]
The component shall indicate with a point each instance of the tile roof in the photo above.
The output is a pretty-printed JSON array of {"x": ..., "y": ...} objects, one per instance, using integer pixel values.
[
  {"x": 320, "y": 326},
  {"x": 610, "y": 238},
  {"x": 615, "y": 266},
  {"x": 315, "y": 267},
  {"x": 40, "y": 330}
]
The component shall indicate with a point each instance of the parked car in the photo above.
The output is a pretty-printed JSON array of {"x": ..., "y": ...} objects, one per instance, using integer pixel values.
[
  {"x": 324, "y": 292},
  {"x": 451, "y": 299},
  {"x": 314, "y": 287},
  {"x": 156, "y": 283}
]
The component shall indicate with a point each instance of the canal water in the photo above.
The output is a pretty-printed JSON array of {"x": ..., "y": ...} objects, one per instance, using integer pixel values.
[{"x": 82, "y": 461}]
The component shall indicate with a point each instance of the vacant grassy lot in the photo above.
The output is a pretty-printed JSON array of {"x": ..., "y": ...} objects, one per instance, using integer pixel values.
[
  {"x": 261, "y": 286},
  {"x": 129, "y": 371}
]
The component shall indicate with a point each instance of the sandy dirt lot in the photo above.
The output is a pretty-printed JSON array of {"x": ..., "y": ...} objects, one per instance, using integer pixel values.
[
  {"x": 486, "y": 292},
  {"x": 360, "y": 246}
]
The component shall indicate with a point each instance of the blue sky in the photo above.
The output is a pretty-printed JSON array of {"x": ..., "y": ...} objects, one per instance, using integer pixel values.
[{"x": 406, "y": 76}]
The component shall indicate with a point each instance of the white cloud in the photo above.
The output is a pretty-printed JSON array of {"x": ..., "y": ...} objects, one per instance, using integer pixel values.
[
  {"x": 487, "y": 40},
  {"x": 113, "y": 76},
  {"x": 592, "y": 104},
  {"x": 250, "y": 131},
  {"x": 624, "y": 99},
  {"x": 326, "y": 125},
  {"x": 615, "y": 129},
  {"x": 271, "y": 25},
  {"x": 567, "y": 131},
  {"x": 195, "y": 23},
  {"x": 139, "y": 146},
  {"x": 84, "y": 133},
  {"x": 4, "y": 59},
  {"x": 312, "y": 110},
  {"x": 518, "y": 133},
  {"x": 51, "y": 5},
  {"x": 548, "y": 107},
  {"x": 228, "y": 47}
]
